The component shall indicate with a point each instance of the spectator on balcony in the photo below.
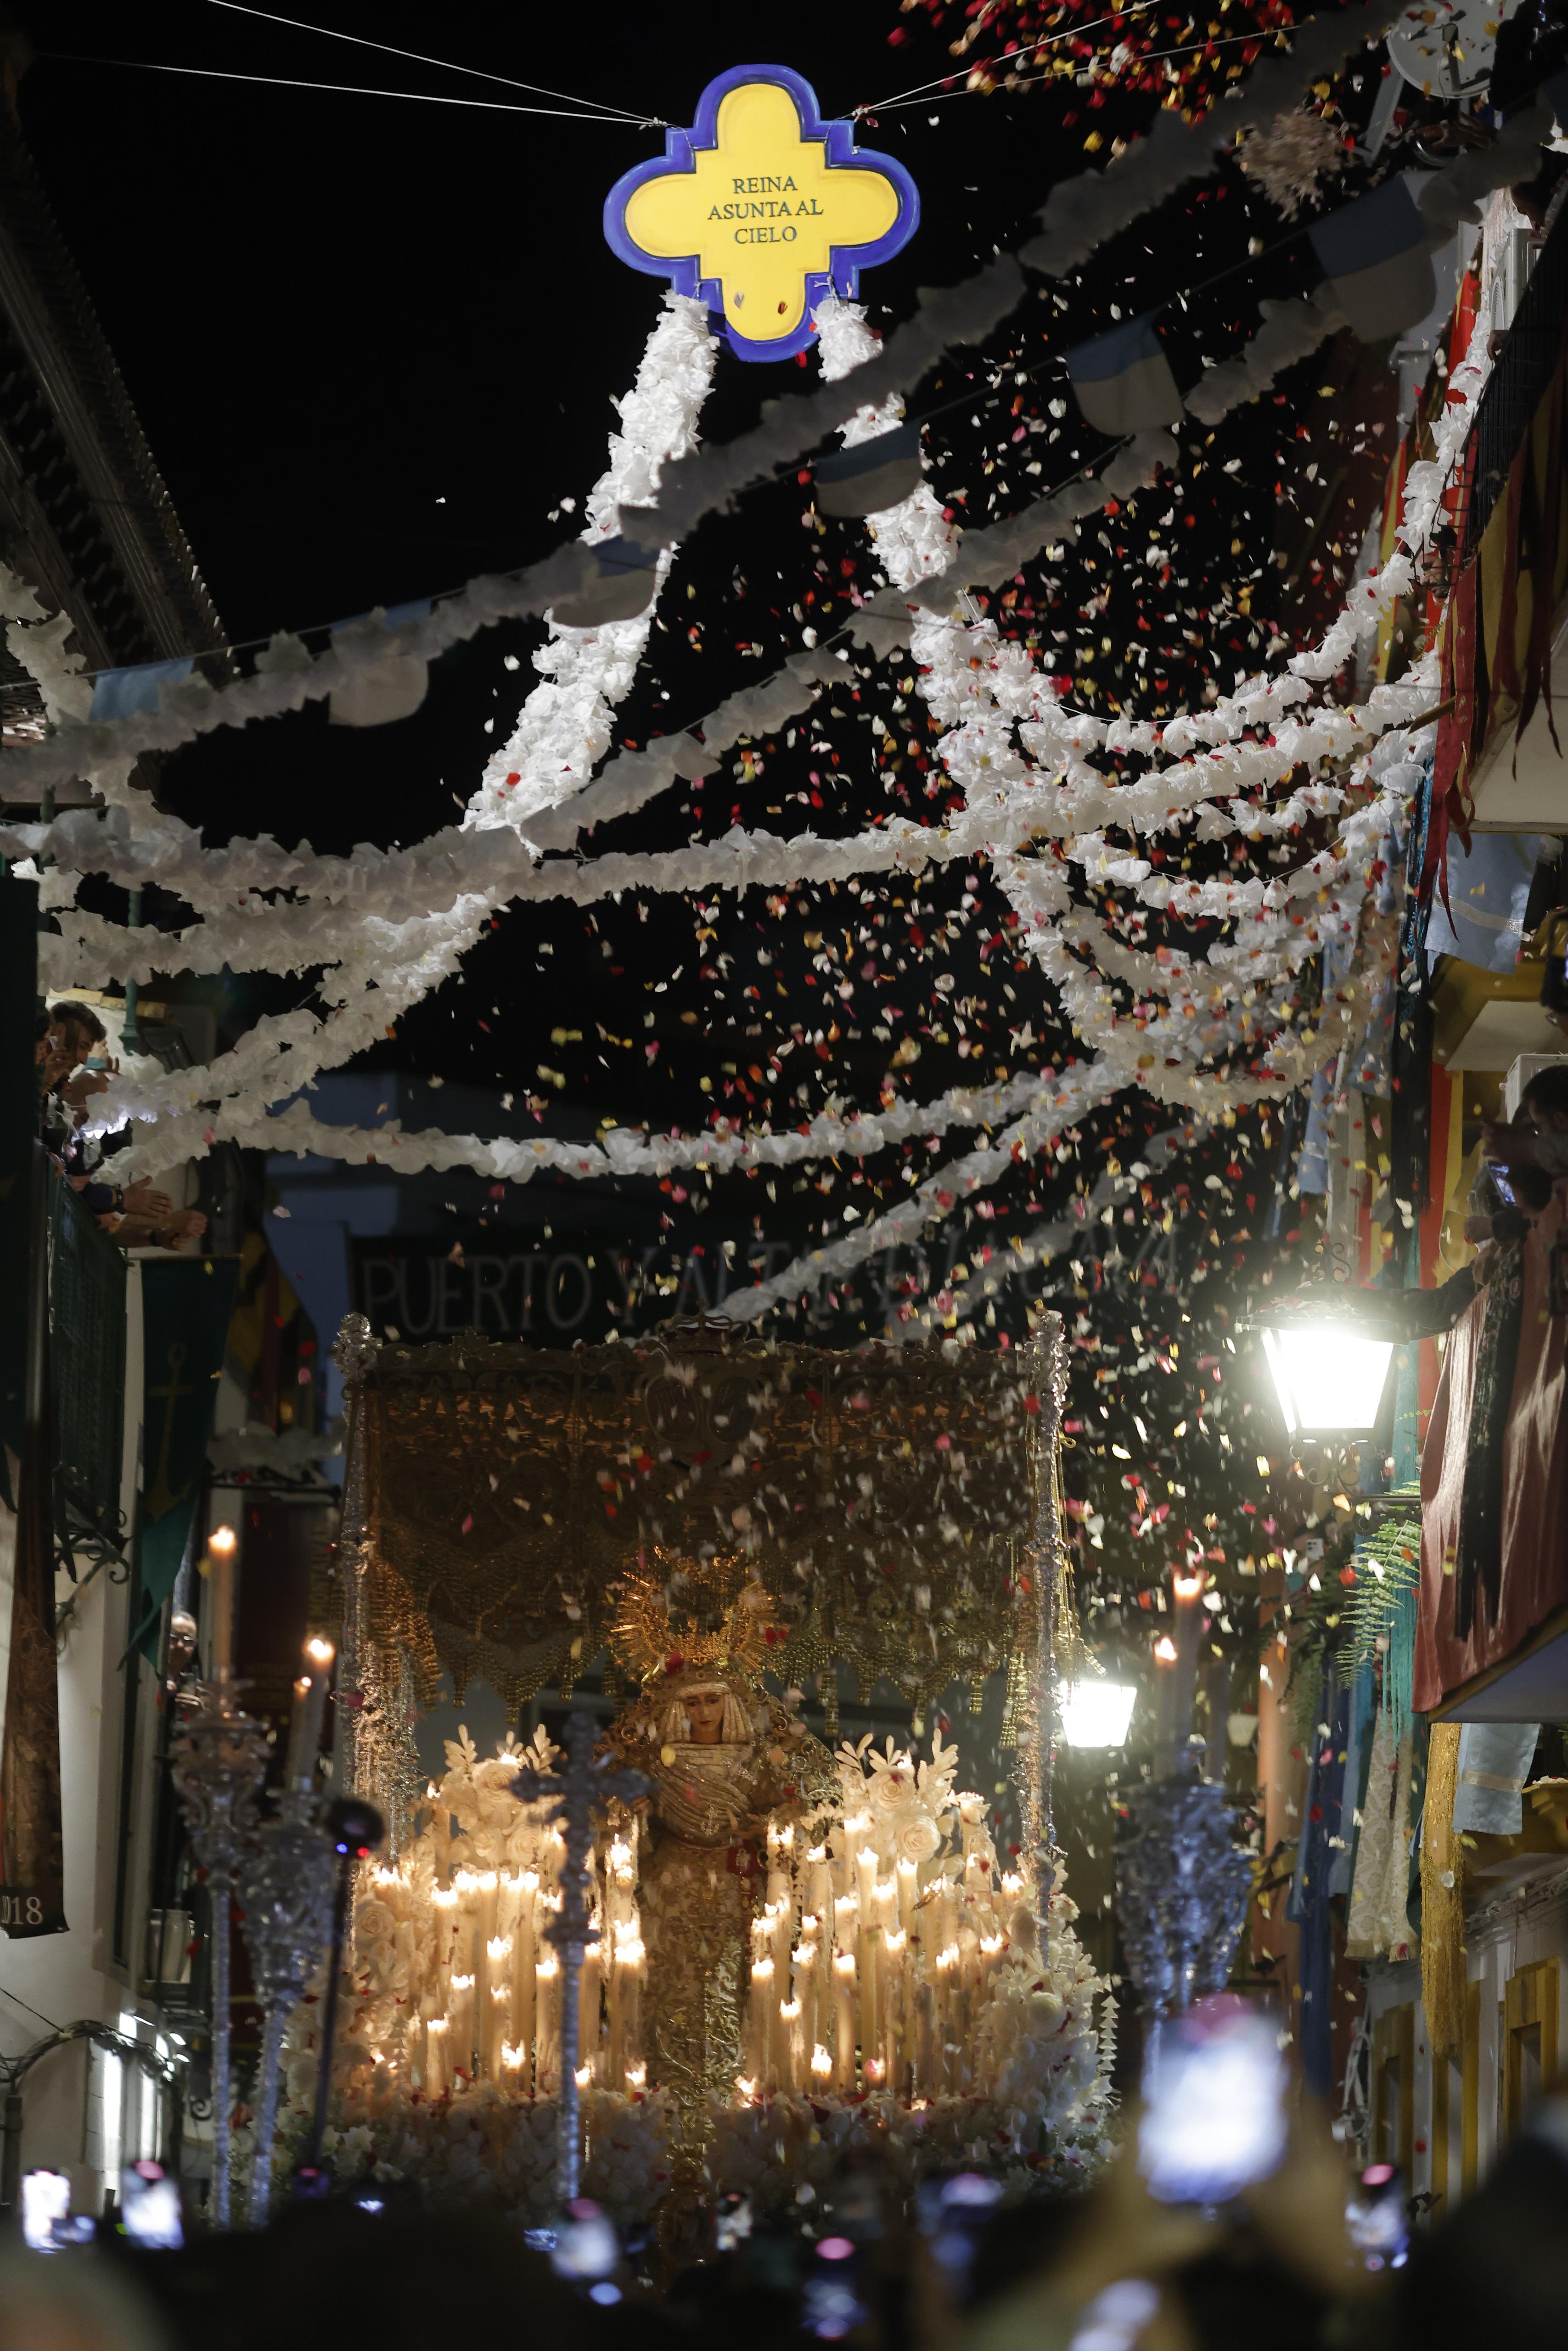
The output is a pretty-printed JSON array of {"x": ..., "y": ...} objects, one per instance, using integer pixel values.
[
  {"x": 1539, "y": 1139},
  {"x": 73, "y": 1069}
]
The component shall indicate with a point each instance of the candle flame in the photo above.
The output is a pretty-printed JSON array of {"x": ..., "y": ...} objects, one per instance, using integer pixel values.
[
  {"x": 462, "y": 1983},
  {"x": 438, "y": 2023},
  {"x": 444, "y": 1898},
  {"x": 821, "y": 2062},
  {"x": 1165, "y": 1650},
  {"x": 895, "y": 1940},
  {"x": 748, "y": 2089},
  {"x": 548, "y": 1969},
  {"x": 761, "y": 1970},
  {"x": 223, "y": 1539},
  {"x": 529, "y": 1881},
  {"x": 320, "y": 1652},
  {"x": 584, "y": 2078},
  {"x": 636, "y": 2076},
  {"x": 844, "y": 1965},
  {"x": 789, "y": 2009},
  {"x": 906, "y": 1868},
  {"x": 1188, "y": 1587},
  {"x": 513, "y": 2057},
  {"x": 498, "y": 1946},
  {"x": 990, "y": 1943},
  {"x": 499, "y": 1992},
  {"x": 867, "y": 1859}
]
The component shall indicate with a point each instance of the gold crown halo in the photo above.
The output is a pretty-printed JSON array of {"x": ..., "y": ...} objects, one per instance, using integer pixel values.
[{"x": 656, "y": 1638}]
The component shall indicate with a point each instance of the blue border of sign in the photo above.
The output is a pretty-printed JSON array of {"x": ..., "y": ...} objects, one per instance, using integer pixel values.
[{"x": 842, "y": 275}]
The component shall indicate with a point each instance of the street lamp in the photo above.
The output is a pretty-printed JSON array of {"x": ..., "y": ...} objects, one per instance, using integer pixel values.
[
  {"x": 1096, "y": 1713},
  {"x": 1329, "y": 1375}
]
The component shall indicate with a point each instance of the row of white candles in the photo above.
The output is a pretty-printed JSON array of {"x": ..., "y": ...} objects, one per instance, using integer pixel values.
[
  {"x": 874, "y": 1987},
  {"x": 493, "y": 2005},
  {"x": 860, "y": 1978}
]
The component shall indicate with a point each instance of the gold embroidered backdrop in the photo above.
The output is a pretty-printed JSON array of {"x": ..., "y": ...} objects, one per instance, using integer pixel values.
[{"x": 886, "y": 1498}]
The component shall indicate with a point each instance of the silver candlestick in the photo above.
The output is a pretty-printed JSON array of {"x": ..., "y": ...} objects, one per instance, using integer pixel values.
[
  {"x": 219, "y": 1757},
  {"x": 286, "y": 1894},
  {"x": 584, "y": 1783},
  {"x": 1183, "y": 1883}
]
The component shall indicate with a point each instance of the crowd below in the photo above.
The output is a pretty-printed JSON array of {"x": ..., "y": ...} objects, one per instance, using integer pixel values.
[{"x": 1319, "y": 2255}]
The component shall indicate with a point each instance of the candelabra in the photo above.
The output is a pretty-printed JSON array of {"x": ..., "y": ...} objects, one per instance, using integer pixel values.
[
  {"x": 1183, "y": 1884},
  {"x": 219, "y": 1756},
  {"x": 286, "y": 1873},
  {"x": 583, "y": 1784}
]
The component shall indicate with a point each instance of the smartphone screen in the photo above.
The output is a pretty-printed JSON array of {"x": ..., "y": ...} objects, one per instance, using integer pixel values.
[
  {"x": 150, "y": 2207},
  {"x": 46, "y": 2199},
  {"x": 1214, "y": 2118},
  {"x": 1377, "y": 2219}
]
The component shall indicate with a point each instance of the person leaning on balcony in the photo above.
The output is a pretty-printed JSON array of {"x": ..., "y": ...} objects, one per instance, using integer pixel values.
[
  {"x": 71, "y": 1070},
  {"x": 1540, "y": 1138}
]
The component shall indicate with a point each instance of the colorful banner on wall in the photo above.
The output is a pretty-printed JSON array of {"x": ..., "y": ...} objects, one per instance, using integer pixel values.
[{"x": 762, "y": 209}]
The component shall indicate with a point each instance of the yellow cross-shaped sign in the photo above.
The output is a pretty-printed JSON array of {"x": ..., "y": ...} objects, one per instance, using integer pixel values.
[{"x": 763, "y": 208}]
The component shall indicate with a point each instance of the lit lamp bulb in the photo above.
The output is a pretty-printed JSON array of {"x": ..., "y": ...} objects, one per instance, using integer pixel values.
[
  {"x": 1097, "y": 1713},
  {"x": 1329, "y": 1376}
]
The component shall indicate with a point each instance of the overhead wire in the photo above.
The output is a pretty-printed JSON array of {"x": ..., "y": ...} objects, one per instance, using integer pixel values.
[
  {"x": 351, "y": 90},
  {"x": 444, "y": 65}
]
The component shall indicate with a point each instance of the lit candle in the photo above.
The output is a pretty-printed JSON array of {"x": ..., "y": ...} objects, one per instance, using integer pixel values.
[
  {"x": 844, "y": 2023},
  {"x": 806, "y": 1972},
  {"x": 587, "y": 1982},
  {"x": 435, "y": 2057},
  {"x": 309, "y": 1713},
  {"x": 497, "y": 2001},
  {"x": 461, "y": 2045},
  {"x": 222, "y": 1544},
  {"x": 523, "y": 1959},
  {"x": 906, "y": 1876},
  {"x": 819, "y": 1883},
  {"x": 822, "y": 2069},
  {"x": 926, "y": 2078},
  {"x": 546, "y": 2062},
  {"x": 894, "y": 1943},
  {"x": 870, "y": 1985},
  {"x": 622, "y": 1990},
  {"x": 791, "y": 2055},
  {"x": 1186, "y": 1591},
  {"x": 762, "y": 2005}
]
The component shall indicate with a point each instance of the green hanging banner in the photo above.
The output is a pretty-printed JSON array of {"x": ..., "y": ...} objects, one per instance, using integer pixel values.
[{"x": 186, "y": 1302}]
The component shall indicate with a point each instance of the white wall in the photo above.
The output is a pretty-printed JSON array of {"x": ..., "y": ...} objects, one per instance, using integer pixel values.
[{"x": 82, "y": 2111}]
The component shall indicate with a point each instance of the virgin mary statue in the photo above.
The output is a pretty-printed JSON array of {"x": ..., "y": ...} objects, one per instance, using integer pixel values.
[{"x": 728, "y": 1762}]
